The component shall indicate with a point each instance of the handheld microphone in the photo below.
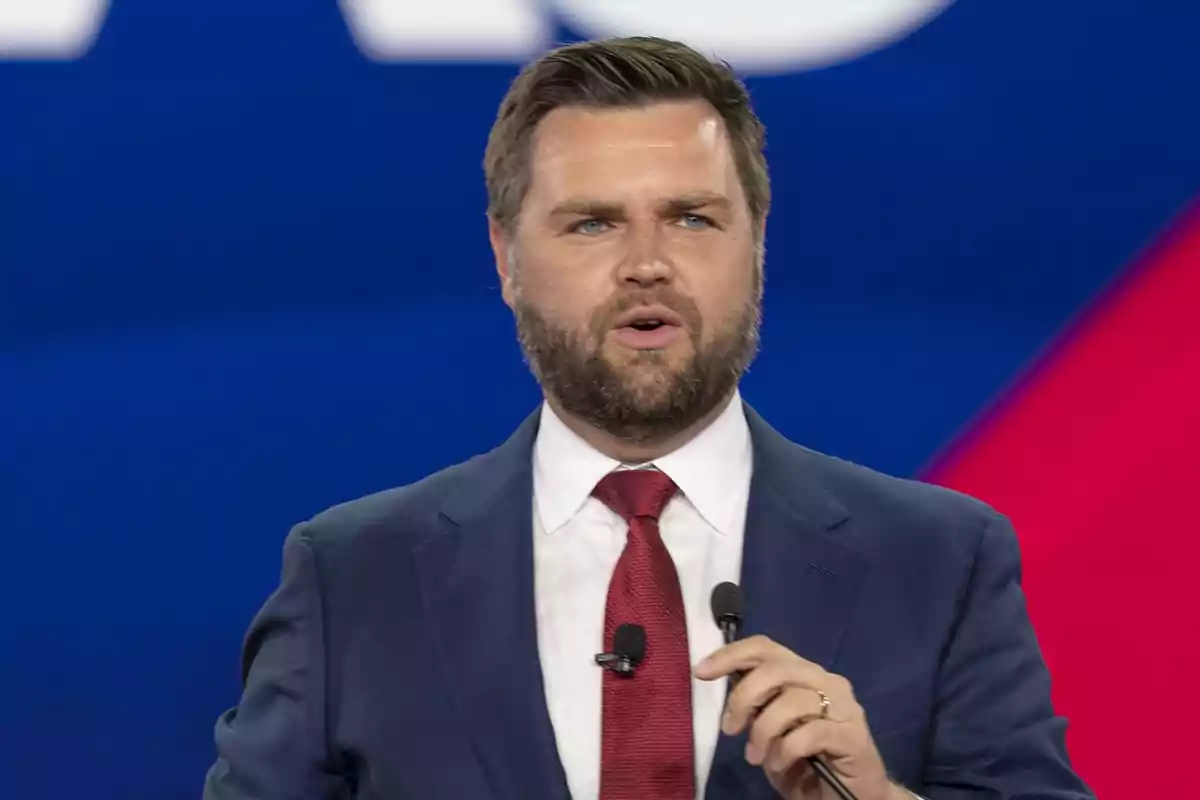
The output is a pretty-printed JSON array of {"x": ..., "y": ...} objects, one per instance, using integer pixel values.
[
  {"x": 728, "y": 610},
  {"x": 628, "y": 650}
]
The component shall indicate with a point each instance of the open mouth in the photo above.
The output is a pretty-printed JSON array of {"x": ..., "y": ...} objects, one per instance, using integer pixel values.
[
  {"x": 648, "y": 328},
  {"x": 648, "y": 318}
]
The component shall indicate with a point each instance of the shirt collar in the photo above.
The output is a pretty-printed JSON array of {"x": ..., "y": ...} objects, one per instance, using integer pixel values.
[{"x": 566, "y": 469}]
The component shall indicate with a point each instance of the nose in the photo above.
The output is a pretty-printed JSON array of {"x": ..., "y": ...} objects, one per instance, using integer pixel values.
[{"x": 646, "y": 264}]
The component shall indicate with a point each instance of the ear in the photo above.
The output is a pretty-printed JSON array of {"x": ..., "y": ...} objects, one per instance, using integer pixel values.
[{"x": 501, "y": 248}]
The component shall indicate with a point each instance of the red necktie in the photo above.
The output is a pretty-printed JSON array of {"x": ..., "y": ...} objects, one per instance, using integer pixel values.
[{"x": 646, "y": 746}]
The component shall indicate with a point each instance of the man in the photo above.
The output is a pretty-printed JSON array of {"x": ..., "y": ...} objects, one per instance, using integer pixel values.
[{"x": 439, "y": 640}]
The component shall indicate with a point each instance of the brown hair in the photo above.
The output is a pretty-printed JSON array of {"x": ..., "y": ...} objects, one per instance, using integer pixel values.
[{"x": 618, "y": 73}]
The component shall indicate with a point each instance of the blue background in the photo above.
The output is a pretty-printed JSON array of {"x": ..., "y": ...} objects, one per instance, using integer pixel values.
[{"x": 244, "y": 275}]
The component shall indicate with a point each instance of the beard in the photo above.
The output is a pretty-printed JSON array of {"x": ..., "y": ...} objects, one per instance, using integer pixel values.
[{"x": 643, "y": 399}]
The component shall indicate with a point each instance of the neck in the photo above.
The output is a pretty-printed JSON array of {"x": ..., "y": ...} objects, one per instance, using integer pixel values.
[{"x": 635, "y": 452}]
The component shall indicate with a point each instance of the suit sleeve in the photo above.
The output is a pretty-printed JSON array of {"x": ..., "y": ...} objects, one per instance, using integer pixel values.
[
  {"x": 273, "y": 745},
  {"x": 996, "y": 733}
]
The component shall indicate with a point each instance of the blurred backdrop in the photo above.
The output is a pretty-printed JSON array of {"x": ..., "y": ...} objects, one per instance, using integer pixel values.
[{"x": 244, "y": 275}]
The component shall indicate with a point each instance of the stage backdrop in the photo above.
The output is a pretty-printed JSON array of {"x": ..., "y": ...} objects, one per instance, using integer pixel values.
[{"x": 244, "y": 276}]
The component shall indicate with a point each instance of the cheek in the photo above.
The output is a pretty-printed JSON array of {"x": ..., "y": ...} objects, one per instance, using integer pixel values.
[
  {"x": 723, "y": 292},
  {"x": 570, "y": 274},
  {"x": 559, "y": 297}
]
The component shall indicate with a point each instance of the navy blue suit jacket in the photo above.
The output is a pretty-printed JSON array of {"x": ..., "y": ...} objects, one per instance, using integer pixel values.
[{"x": 398, "y": 657}]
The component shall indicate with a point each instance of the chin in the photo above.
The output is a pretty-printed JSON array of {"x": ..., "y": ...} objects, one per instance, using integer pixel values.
[
  {"x": 651, "y": 386},
  {"x": 648, "y": 368},
  {"x": 671, "y": 358}
]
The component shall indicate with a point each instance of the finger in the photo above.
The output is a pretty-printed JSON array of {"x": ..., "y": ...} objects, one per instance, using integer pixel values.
[
  {"x": 812, "y": 738},
  {"x": 739, "y": 656},
  {"x": 848, "y": 747},
  {"x": 758, "y": 686},
  {"x": 780, "y": 717}
]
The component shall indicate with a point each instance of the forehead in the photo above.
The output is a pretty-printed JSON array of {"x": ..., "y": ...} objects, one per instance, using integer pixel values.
[{"x": 613, "y": 154}]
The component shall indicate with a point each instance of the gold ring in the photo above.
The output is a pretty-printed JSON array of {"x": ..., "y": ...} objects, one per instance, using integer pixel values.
[{"x": 824, "y": 704}]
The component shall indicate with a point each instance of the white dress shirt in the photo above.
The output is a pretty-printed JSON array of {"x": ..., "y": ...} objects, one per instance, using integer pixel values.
[{"x": 577, "y": 541}]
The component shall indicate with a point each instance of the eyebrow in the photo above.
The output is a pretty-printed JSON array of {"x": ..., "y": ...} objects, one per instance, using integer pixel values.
[
  {"x": 587, "y": 208},
  {"x": 698, "y": 200},
  {"x": 583, "y": 207}
]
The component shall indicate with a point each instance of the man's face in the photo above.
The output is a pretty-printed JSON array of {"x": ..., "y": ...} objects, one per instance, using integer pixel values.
[{"x": 634, "y": 271}]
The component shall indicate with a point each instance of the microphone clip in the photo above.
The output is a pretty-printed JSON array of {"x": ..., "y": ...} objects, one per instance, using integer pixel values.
[
  {"x": 628, "y": 650},
  {"x": 622, "y": 665}
]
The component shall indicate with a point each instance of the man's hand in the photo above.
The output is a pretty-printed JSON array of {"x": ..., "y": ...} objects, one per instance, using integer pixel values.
[{"x": 796, "y": 709}]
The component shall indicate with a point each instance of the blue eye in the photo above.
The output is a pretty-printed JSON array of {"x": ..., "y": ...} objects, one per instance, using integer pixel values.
[
  {"x": 590, "y": 227},
  {"x": 695, "y": 221}
]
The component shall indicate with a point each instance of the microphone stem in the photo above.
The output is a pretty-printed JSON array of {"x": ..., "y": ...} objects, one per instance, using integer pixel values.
[
  {"x": 729, "y": 630},
  {"x": 831, "y": 780}
]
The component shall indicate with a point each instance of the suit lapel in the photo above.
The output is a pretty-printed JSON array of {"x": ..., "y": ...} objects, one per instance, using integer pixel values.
[
  {"x": 800, "y": 578},
  {"x": 476, "y": 579}
]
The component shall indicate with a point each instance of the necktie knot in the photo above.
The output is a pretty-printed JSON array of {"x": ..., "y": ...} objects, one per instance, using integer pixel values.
[{"x": 634, "y": 493}]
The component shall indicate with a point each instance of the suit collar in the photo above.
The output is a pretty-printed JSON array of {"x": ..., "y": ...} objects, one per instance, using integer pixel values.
[
  {"x": 793, "y": 475},
  {"x": 487, "y": 480}
]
